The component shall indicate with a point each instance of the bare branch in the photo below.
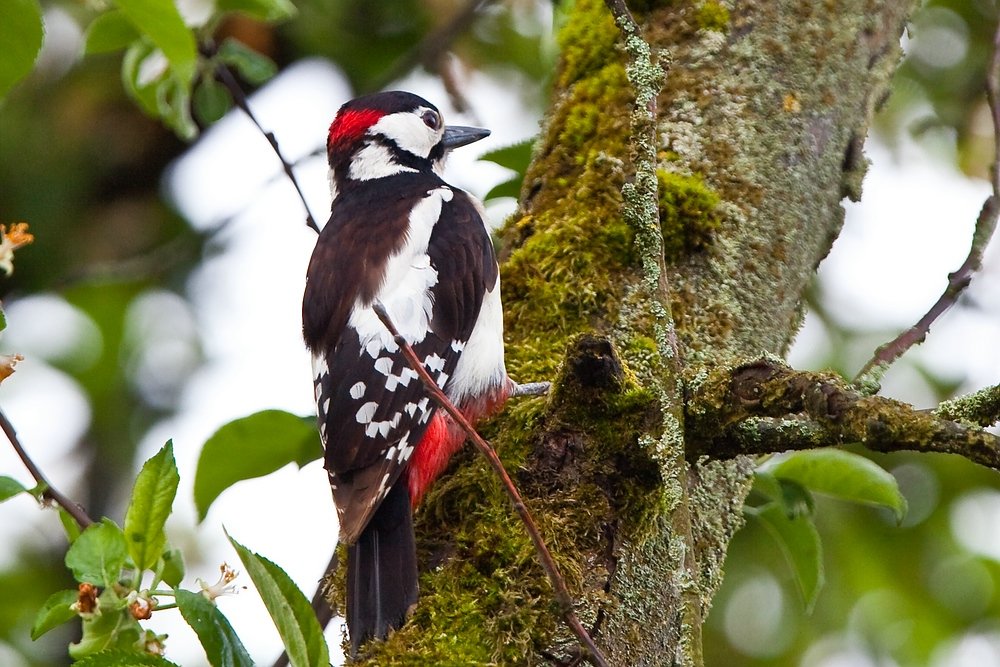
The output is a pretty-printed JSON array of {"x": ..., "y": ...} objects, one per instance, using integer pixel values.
[
  {"x": 872, "y": 372},
  {"x": 49, "y": 492},
  {"x": 531, "y": 389},
  {"x": 548, "y": 563}
]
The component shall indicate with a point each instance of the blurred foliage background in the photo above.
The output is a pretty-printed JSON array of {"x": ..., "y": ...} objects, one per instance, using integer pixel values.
[{"x": 106, "y": 293}]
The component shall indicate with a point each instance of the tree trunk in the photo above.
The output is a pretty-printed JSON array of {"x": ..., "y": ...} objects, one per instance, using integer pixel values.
[{"x": 760, "y": 126}]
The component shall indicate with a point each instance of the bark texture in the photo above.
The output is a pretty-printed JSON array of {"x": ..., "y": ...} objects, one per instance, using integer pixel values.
[{"x": 761, "y": 123}]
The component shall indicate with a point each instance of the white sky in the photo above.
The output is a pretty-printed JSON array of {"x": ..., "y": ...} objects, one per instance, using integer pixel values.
[{"x": 890, "y": 263}]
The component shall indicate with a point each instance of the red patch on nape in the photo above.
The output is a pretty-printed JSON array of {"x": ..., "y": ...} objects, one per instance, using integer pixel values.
[{"x": 351, "y": 124}]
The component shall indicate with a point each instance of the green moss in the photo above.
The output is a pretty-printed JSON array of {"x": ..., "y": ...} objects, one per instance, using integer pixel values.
[
  {"x": 565, "y": 273},
  {"x": 689, "y": 213},
  {"x": 587, "y": 42},
  {"x": 713, "y": 15},
  {"x": 556, "y": 281}
]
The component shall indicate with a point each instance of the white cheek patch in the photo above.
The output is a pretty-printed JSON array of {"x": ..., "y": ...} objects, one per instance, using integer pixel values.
[
  {"x": 408, "y": 131},
  {"x": 374, "y": 161}
]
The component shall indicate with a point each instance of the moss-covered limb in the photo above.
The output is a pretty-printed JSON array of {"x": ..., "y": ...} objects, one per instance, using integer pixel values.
[
  {"x": 838, "y": 414},
  {"x": 980, "y": 407}
]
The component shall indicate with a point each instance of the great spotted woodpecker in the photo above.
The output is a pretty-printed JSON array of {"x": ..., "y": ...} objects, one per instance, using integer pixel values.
[{"x": 399, "y": 235}]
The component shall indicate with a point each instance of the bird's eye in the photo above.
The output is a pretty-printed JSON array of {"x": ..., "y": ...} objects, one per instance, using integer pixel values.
[{"x": 431, "y": 119}]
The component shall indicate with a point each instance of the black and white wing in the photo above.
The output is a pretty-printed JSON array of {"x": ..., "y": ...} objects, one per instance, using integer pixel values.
[{"x": 431, "y": 274}]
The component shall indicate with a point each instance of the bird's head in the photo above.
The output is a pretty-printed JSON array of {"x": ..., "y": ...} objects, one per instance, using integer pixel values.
[{"x": 388, "y": 133}]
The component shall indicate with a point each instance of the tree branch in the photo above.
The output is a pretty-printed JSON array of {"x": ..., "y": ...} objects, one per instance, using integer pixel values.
[
  {"x": 807, "y": 410},
  {"x": 871, "y": 373},
  {"x": 49, "y": 491},
  {"x": 563, "y": 597}
]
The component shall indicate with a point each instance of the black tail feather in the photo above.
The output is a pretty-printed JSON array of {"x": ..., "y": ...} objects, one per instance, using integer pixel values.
[{"x": 382, "y": 570}]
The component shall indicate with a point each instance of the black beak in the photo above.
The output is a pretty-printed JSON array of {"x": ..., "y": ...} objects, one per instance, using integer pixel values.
[{"x": 456, "y": 135}]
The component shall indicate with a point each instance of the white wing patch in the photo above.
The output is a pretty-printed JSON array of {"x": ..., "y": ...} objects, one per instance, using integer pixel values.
[
  {"x": 358, "y": 390},
  {"x": 366, "y": 412},
  {"x": 434, "y": 363},
  {"x": 406, "y": 288}
]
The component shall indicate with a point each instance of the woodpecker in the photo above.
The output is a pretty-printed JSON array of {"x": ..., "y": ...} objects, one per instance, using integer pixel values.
[{"x": 398, "y": 235}]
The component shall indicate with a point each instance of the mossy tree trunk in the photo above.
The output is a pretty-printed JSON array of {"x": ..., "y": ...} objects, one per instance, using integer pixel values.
[{"x": 760, "y": 125}]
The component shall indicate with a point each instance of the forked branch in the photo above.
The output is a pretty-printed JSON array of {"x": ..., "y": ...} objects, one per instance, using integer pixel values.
[{"x": 48, "y": 491}]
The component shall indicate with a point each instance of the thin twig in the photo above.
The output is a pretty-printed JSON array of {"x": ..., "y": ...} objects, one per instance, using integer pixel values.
[
  {"x": 548, "y": 563},
  {"x": 227, "y": 79},
  {"x": 871, "y": 373},
  {"x": 49, "y": 491}
]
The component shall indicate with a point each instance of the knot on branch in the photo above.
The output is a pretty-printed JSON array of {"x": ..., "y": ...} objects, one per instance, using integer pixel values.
[
  {"x": 769, "y": 388},
  {"x": 592, "y": 368}
]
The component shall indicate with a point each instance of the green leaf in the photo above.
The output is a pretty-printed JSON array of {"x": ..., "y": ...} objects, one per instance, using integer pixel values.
[
  {"x": 110, "y": 31},
  {"x": 70, "y": 526},
  {"x": 21, "y": 35},
  {"x": 843, "y": 475},
  {"x": 173, "y": 568},
  {"x": 251, "y": 447},
  {"x": 10, "y": 487},
  {"x": 173, "y": 100},
  {"x": 270, "y": 11},
  {"x": 152, "y": 500},
  {"x": 511, "y": 188},
  {"x": 160, "y": 21},
  {"x": 123, "y": 658},
  {"x": 98, "y": 555},
  {"x": 211, "y": 101},
  {"x": 799, "y": 542},
  {"x": 161, "y": 94},
  {"x": 54, "y": 612},
  {"x": 141, "y": 91},
  {"x": 113, "y": 627},
  {"x": 252, "y": 66},
  {"x": 222, "y": 646},
  {"x": 3, "y": 319},
  {"x": 794, "y": 498},
  {"x": 516, "y": 156},
  {"x": 291, "y": 612}
]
